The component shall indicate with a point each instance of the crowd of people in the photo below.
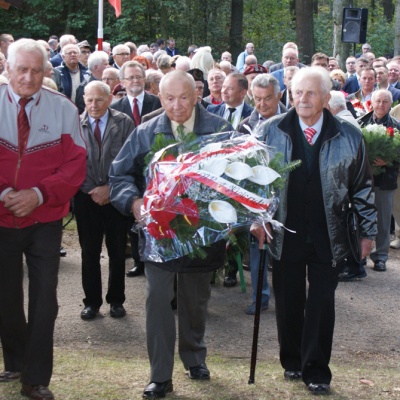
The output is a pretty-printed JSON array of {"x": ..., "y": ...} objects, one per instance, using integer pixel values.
[{"x": 94, "y": 114}]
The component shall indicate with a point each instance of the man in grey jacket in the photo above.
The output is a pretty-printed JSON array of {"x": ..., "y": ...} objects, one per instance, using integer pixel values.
[
  {"x": 314, "y": 203},
  {"x": 105, "y": 131},
  {"x": 182, "y": 112}
]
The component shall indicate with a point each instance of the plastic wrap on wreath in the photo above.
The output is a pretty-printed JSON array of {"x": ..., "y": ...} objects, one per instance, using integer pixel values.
[{"x": 203, "y": 195}]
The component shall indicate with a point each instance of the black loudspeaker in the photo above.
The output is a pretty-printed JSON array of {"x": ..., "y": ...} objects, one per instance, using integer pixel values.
[{"x": 354, "y": 25}]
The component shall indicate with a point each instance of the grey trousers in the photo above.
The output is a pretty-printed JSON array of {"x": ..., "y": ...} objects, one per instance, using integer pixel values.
[
  {"x": 384, "y": 204},
  {"x": 193, "y": 293}
]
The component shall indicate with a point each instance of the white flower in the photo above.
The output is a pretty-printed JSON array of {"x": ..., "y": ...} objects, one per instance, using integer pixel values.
[
  {"x": 222, "y": 212},
  {"x": 215, "y": 165},
  {"x": 263, "y": 175},
  {"x": 238, "y": 170}
]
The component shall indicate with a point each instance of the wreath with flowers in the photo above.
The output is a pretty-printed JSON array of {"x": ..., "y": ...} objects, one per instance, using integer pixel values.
[
  {"x": 204, "y": 189},
  {"x": 361, "y": 108},
  {"x": 383, "y": 143}
]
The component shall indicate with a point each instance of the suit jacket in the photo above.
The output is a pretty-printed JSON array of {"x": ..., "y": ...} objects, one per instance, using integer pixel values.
[
  {"x": 219, "y": 109},
  {"x": 397, "y": 85},
  {"x": 169, "y": 51},
  {"x": 395, "y": 92},
  {"x": 351, "y": 85},
  {"x": 279, "y": 75},
  {"x": 254, "y": 118},
  {"x": 150, "y": 103},
  {"x": 277, "y": 66},
  {"x": 79, "y": 102},
  {"x": 119, "y": 127}
]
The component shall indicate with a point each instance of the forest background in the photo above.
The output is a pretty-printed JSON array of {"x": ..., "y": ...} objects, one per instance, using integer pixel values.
[{"x": 315, "y": 25}]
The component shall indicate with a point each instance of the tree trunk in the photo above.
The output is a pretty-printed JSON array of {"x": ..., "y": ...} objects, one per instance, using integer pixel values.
[
  {"x": 304, "y": 29},
  {"x": 164, "y": 21},
  {"x": 340, "y": 50},
  {"x": 388, "y": 9},
  {"x": 236, "y": 31},
  {"x": 397, "y": 30}
]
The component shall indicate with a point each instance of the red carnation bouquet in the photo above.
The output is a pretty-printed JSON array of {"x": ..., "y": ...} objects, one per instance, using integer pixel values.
[{"x": 204, "y": 189}]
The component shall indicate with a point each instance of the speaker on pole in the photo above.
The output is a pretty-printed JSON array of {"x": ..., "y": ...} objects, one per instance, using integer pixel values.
[{"x": 354, "y": 25}]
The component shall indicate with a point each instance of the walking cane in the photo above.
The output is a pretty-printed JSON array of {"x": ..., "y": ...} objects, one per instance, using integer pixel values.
[{"x": 263, "y": 254}]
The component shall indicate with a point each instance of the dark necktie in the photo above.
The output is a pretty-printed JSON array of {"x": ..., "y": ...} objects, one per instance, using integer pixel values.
[
  {"x": 231, "y": 111},
  {"x": 310, "y": 132},
  {"x": 23, "y": 126},
  {"x": 97, "y": 135},
  {"x": 135, "y": 112}
]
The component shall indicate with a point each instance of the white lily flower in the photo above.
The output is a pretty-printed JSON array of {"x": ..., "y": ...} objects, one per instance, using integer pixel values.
[
  {"x": 263, "y": 175},
  {"x": 222, "y": 212},
  {"x": 215, "y": 165},
  {"x": 238, "y": 171}
]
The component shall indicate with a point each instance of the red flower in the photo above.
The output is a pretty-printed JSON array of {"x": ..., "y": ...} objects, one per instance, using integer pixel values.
[
  {"x": 390, "y": 131},
  {"x": 159, "y": 231},
  {"x": 188, "y": 208}
]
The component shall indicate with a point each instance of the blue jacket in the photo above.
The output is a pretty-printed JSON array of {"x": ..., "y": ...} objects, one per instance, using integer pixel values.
[
  {"x": 66, "y": 77},
  {"x": 219, "y": 109}
]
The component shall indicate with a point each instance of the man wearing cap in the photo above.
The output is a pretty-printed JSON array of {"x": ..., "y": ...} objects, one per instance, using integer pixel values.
[
  {"x": 250, "y": 73},
  {"x": 85, "y": 52}
]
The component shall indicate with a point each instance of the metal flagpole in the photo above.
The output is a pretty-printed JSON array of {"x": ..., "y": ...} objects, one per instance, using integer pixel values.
[{"x": 100, "y": 26}]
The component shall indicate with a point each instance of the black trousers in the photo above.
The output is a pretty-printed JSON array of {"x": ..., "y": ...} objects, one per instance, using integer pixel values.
[
  {"x": 28, "y": 346},
  {"x": 93, "y": 223},
  {"x": 306, "y": 321}
]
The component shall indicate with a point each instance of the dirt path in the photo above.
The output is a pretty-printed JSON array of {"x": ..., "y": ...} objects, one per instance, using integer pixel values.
[{"x": 367, "y": 317}]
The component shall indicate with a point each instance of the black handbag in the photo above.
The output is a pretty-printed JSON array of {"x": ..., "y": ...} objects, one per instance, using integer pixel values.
[{"x": 353, "y": 234}]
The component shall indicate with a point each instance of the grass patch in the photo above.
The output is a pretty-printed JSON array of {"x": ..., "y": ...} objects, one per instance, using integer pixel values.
[{"x": 89, "y": 375}]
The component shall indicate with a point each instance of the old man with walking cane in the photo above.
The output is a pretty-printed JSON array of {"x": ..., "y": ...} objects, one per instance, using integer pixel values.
[{"x": 314, "y": 202}]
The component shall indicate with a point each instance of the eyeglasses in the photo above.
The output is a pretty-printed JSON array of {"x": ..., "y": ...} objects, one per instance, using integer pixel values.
[
  {"x": 85, "y": 52},
  {"x": 134, "y": 78},
  {"x": 122, "y": 54},
  {"x": 71, "y": 53}
]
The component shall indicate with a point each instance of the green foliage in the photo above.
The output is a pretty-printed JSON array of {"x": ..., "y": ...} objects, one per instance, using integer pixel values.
[{"x": 266, "y": 23}]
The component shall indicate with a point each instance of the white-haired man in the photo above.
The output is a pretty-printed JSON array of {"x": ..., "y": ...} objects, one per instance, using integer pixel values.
[
  {"x": 179, "y": 98},
  {"x": 42, "y": 164},
  {"x": 313, "y": 207}
]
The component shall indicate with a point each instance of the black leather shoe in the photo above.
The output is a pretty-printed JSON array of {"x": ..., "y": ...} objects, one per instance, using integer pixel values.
[
  {"x": 155, "y": 390},
  {"x": 230, "y": 281},
  {"x": 63, "y": 253},
  {"x": 350, "y": 277},
  {"x": 89, "y": 312},
  {"x": 199, "y": 372},
  {"x": 117, "y": 311},
  {"x": 135, "y": 271},
  {"x": 380, "y": 266},
  {"x": 292, "y": 375},
  {"x": 9, "y": 376},
  {"x": 319, "y": 388},
  {"x": 37, "y": 392}
]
